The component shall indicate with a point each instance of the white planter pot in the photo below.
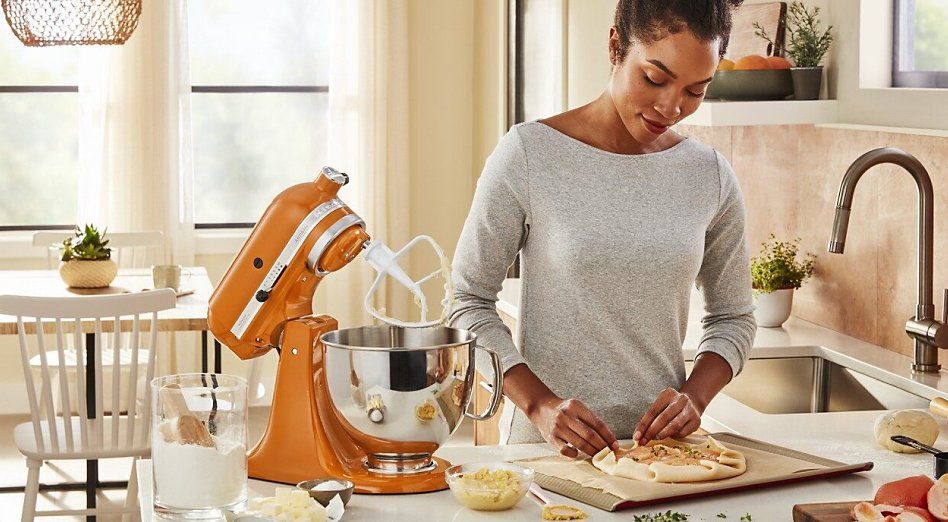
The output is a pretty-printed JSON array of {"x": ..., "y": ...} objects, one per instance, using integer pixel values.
[
  {"x": 78, "y": 273},
  {"x": 773, "y": 309}
]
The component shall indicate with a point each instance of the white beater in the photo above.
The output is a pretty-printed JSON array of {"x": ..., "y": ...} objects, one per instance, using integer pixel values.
[{"x": 385, "y": 262}]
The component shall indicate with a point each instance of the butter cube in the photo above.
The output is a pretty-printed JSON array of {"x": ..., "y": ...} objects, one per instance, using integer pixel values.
[
  {"x": 283, "y": 496},
  {"x": 299, "y": 498}
]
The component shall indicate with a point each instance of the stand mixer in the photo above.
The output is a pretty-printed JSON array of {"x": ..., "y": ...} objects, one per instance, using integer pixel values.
[{"x": 369, "y": 404}]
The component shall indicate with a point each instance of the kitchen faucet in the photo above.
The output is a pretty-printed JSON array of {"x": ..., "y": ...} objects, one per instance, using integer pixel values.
[{"x": 929, "y": 334}]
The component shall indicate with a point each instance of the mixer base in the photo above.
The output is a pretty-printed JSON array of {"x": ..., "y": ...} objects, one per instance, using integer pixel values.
[{"x": 374, "y": 483}]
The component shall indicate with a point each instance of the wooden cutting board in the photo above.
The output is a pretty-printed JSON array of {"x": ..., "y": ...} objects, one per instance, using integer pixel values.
[
  {"x": 743, "y": 40},
  {"x": 824, "y": 512}
]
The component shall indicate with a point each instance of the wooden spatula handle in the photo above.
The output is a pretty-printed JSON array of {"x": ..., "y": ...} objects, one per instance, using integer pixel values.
[{"x": 173, "y": 401}]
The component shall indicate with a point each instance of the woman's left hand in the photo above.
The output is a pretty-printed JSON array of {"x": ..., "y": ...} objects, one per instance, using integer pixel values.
[{"x": 673, "y": 414}]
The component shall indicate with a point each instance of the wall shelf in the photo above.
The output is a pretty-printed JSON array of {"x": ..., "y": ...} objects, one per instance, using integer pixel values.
[{"x": 716, "y": 113}]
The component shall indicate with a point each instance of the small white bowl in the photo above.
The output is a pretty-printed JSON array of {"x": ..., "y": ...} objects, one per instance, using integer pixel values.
[{"x": 486, "y": 498}]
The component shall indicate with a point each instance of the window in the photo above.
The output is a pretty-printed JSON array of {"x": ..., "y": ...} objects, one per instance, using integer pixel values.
[
  {"x": 920, "y": 54},
  {"x": 39, "y": 119},
  {"x": 259, "y": 103}
]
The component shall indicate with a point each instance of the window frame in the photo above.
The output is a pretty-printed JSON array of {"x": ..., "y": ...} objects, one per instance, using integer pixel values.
[{"x": 903, "y": 21}]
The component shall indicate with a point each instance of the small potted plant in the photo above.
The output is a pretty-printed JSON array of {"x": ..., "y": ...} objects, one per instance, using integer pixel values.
[
  {"x": 775, "y": 274},
  {"x": 86, "y": 261},
  {"x": 806, "y": 48}
]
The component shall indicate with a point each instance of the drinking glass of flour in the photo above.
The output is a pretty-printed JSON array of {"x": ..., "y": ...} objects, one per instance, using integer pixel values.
[{"x": 199, "y": 445}]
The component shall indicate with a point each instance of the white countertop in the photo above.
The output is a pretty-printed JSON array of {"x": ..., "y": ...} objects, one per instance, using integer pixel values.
[{"x": 845, "y": 437}]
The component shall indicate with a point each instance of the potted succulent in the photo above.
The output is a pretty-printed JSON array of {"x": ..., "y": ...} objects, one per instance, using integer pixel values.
[
  {"x": 775, "y": 274},
  {"x": 806, "y": 48},
  {"x": 86, "y": 260}
]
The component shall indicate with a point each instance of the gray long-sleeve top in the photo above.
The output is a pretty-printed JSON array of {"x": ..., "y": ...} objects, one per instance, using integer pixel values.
[{"x": 610, "y": 246}]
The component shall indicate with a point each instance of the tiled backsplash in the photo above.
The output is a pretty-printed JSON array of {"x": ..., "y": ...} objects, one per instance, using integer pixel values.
[{"x": 790, "y": 177}]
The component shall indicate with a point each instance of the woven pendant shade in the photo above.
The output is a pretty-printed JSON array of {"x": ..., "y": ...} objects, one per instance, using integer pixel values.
[{"x": 39, "y": 23}]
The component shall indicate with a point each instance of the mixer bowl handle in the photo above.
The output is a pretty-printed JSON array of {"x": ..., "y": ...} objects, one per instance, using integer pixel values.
[{"x": 497, "y": 391}]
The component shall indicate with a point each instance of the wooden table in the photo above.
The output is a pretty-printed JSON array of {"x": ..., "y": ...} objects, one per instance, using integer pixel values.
[{"x": 189, "y": 314}]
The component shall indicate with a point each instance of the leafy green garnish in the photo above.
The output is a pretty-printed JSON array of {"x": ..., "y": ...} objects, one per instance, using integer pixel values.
[{"x": 667, "y": 516}]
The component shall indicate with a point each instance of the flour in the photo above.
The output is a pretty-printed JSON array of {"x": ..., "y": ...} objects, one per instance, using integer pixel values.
[
  {"x": 330, "y": 485},
  {"x": 197, "y": 477}
]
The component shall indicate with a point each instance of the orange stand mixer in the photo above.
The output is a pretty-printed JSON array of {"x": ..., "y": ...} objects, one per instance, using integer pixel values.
[{"x": 369, "y": 404}]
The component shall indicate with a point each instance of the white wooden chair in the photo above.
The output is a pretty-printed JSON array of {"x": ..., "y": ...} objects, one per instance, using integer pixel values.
[
  {"x": 59, "y": 434},
  {"x": 129, "y": 249}
]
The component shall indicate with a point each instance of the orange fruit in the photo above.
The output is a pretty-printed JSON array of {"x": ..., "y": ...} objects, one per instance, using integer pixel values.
[
  {"x": 726, "y": 65},
  {"x": 911, "y": 491},
  {"x": 752, "y": 62},
  {"x": 778, "y": 62}
]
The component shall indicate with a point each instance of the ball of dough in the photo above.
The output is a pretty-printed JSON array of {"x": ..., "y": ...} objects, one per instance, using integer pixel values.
[{"x": 917, "y": 424}]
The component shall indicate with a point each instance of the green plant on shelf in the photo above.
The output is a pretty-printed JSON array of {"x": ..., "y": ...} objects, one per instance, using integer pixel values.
[
  {"x": 807, "y": 44},
  {"x": 777, "y": 266},
  {"x": 87, "y": 245}
]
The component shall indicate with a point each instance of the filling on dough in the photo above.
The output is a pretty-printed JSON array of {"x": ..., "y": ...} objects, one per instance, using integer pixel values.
[
  {"x": 671, "y": 461},
  {"x": 671, "y": 455}
]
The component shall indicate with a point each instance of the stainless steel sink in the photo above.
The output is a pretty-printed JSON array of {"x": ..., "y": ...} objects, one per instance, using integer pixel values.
[{"x": 811, "y": 385}]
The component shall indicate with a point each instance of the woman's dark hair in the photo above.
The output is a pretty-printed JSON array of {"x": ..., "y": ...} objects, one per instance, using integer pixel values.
[{"x": 651, "y": 20}]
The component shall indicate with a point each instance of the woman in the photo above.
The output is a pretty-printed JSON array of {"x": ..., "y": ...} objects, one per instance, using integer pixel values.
[{"x": 615, "y": 217}]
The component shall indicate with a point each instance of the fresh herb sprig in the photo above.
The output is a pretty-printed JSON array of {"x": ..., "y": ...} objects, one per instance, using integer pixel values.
[{"x": 667, "y": 516}]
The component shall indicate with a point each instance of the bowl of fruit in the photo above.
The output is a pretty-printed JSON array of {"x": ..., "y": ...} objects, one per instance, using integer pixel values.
[{"x": 753, "y": 77}]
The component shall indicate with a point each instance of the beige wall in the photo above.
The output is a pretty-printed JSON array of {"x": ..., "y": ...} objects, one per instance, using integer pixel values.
[{"x": 790, "y": 177}]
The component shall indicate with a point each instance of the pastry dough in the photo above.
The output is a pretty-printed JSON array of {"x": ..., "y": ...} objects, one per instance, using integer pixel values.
[{"x": 673, "y": 461}]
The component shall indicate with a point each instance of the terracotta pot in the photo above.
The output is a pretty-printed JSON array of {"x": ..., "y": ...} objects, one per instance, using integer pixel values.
[
  {"x": 773, "y": 309},
  {"x": 79, "y": 273}
]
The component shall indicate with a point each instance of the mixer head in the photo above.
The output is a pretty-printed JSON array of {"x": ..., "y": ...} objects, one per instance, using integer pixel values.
[{"x": 305, "y": 234}]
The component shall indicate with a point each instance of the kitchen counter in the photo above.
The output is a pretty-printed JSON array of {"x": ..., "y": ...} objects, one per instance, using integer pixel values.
[{"x": 843, "y": 436}]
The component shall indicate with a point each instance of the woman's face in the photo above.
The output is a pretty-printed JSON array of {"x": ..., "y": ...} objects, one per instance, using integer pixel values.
[{"x": 659, "y": 83}]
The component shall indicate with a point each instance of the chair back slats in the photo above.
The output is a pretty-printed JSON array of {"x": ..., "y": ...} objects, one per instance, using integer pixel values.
[
  {"x": 30, "y": 387},
  {"x": 116, "y": 377},
  {"x": 130, "y": 403},
  {"x": 149, "y": 375},
  {"x": 60, "y": 415},
  {"x": 100, "y": 395},
  {"x": 46, "y": 394},
  {"x": 81, "y": 406},
  {"x": 64, "y": 390}
]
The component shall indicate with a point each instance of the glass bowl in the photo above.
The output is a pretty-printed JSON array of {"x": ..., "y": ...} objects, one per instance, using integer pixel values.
[{"x": 484, "y": 486}]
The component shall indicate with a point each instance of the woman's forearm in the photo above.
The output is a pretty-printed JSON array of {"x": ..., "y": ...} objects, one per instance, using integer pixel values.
[
  {"x": 567, "y": 424},
  {"x": 526, "y": 390},
  {"x": 708, "y": 376}
]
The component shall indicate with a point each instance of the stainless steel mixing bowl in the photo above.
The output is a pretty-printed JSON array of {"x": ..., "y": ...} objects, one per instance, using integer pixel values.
[{"x": 405, "y": 385}]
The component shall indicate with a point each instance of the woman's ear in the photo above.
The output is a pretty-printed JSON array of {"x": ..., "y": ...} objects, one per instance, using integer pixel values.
[{"x": 614, "y": 45}]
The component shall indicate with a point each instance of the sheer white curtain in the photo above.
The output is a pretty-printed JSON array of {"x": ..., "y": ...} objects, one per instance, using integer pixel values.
[
  {"x": 135, "y": 140},
  {"x": 135, "y": 131},
  {"x": 368, "y": 129}
]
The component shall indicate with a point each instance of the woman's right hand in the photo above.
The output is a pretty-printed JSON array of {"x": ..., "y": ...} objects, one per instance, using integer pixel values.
[{"x": 569, "y": 426}]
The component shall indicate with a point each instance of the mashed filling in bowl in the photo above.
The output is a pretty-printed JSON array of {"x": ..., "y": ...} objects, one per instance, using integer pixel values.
[{"x": 487, "y": 490}]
